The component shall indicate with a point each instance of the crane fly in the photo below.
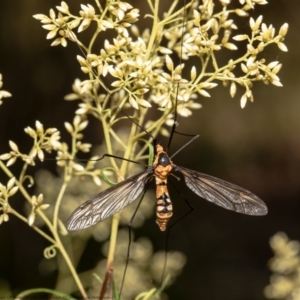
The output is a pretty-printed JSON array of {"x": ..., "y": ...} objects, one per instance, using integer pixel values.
[{"x": 115, "y": 198}]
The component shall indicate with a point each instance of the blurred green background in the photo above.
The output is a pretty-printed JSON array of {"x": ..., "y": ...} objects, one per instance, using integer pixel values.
[{"x": 257, "y": 148}]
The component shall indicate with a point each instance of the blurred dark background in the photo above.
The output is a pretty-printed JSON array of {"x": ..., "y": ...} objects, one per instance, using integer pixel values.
[{"x": 257, "y": 147}]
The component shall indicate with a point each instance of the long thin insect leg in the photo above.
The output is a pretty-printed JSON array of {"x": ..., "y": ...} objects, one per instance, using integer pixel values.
[
  {"x": 177, "y": 86},
  {"x": 191, "y": 209},
  {"x": 138, "y": 125},
  {"x": 185, "y": 134},
  {"x": 129, "y": 234},
  {"x": 118, "y": 157},
  {"x": 103, "y": 156}
]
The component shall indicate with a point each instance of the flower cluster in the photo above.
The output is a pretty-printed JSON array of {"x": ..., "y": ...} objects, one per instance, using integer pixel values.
[
  {"x": 285, "y": 281},
  {"x": 5, "y": 193},
  {"x": 49, "y": 140},
  {"x": 37, "y": 203},
  {"x": 140, "y": 67},
  {"x": 43, "y": 140},
  {"x": 3, "y": 94}
]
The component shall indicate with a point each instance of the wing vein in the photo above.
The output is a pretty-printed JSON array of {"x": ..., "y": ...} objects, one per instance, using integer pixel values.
[{"x": 223, "y": 193}]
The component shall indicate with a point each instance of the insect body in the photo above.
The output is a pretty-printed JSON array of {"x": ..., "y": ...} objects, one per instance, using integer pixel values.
[
  {"x": 162, "y": 168},
  {"x": 112, "y": 200}
]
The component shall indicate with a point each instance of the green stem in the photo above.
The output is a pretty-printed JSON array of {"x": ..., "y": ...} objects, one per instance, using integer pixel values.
[
  {"x": 154, "y": 31},
  {"x": 70, "y": 264},
  {"x": 23, "y": 172},
  {"x": 99, "y": 6},
  {"x": 57, "y": 204},
  {"x": 117, "y": 139},
  {"x": 44, "y": 290},
  {"x": 103, "y": 14},
  {"x": 108, "y": 143},
  {"x": 113, "y": 238},
  {"x": 115, "y": 222}
]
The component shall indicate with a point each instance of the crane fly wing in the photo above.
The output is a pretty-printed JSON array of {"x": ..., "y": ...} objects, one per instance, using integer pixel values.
[
  {"x": 223, "y": 193},
  {"x": 108, "y": 202}
]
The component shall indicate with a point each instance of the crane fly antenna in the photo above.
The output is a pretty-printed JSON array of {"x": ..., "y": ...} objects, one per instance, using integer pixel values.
[
  {"x": 184, "y": 134},
  {"x": 185, "y": 145},
  {"x": 137, "y": 124}
]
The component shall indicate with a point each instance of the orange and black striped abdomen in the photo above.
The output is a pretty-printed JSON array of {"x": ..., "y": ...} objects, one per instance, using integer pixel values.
[{"x": 164, "y": 207}]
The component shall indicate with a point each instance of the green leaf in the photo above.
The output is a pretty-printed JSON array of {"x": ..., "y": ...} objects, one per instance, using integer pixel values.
[
  {"x": 151, "y": 152},
  {"x": 163, "y": 285},
  {"x": 116, "y": 294},
  {"x": 105, "y": 178},
  {"x": 146, "y": 295},
  {"x": 97, "y": 277}
]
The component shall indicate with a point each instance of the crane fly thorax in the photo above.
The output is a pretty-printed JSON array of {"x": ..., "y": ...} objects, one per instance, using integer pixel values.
[{"x": 162, "y": 172}]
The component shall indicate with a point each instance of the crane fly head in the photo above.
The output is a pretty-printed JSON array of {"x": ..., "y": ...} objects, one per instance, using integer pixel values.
[{"x": 162, "y": 158}]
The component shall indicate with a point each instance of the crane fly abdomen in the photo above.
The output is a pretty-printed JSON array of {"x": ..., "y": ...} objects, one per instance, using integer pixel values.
[{"x": 164, "y": 207}]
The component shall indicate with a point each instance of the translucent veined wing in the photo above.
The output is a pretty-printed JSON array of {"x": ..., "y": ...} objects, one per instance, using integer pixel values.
[
  {"x": 108, "y": 202},
  {"x": 223, "y": 193}
]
